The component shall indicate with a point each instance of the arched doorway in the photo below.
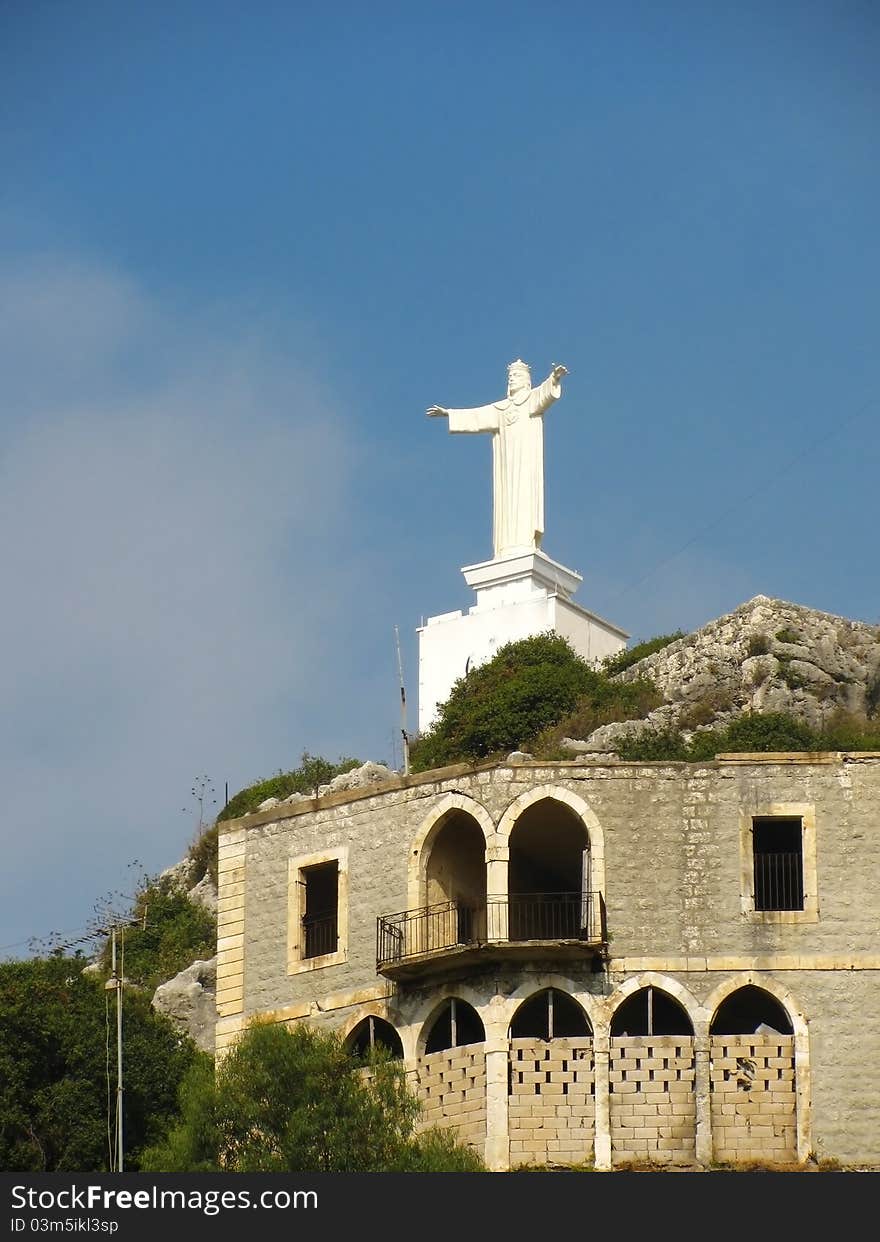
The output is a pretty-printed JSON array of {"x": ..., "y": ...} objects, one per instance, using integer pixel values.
[
  {"x": 549, "y": 874},
  {"x": 652, "y": 1079},
  {"x": 451, "y": 1072},
  {"x": 752, "y": 1079},
  {"x": 551, "y": 1082},
  {"x": 455, "y": 883}
]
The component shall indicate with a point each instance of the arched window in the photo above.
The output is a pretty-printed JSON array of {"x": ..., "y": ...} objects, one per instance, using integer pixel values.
[
  {"x": 456, "y": 1024},
  {"x": 549, "y": 874},
  {"x": 550, "y": 1014},
  {"x": 650, "y": 1011},
  {"x": 374, "y": 1033},
  {"x": 750, "y": 1011}
]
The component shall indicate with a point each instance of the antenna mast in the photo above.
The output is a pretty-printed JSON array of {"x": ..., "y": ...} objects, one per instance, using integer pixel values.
[{"x": 402, "y": 705}]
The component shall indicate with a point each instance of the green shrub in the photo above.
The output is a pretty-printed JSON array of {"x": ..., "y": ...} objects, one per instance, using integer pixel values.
[
  {"x": 312, "y": 772},
  {"x": 787, "y": 635},
  {"x": 755, "y": 733},
  {"x": 174, "y": 932},
  {"x": 605, "y": 703},
  {"x": 872, "y": 696},
  {"x": 203, "y": 855},
  {"x": 653, "y": 744},
  {"x": 626, "y": 659},
  {"x": 292, "y": 1099},
  {"x": 505, "y": 703},
  {"x": 759, "y": 644},
  {"x": 792, "y": 678}
]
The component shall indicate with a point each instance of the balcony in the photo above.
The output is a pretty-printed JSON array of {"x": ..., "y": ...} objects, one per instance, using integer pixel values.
[{"x": 519, "y": 927}]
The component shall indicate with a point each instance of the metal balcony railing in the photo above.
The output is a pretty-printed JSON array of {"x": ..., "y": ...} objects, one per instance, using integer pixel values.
[{"x": 502, "y": 920}]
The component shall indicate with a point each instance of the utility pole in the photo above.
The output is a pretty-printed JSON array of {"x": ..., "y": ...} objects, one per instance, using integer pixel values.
[{"x": 114, "y": 983}]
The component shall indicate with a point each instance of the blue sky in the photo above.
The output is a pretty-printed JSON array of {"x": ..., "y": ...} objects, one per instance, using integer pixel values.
[{"x": 242, "y": 249}]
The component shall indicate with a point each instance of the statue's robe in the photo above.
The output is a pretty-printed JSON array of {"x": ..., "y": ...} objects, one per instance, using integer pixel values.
[{"x": 517, "y": 462}]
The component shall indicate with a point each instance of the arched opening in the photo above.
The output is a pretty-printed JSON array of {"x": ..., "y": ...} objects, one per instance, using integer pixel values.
[
  {"x": 650, "y": 1011},
  {"x": 652, "y": 1079},
  {"x": 550, "y": 1014},
  {"x": 753, "y": 1078},
  {"x": 750, "y": 1011},
  {"x": 549, "y": 874},
  {"x": 372, "y": 1034},
  {"x": 456, "y": 1024},
  {"x": 455, "y": 880}
]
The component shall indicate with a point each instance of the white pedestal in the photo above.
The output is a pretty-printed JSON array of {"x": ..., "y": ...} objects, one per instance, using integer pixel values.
[{"x": 521, "y": 594}]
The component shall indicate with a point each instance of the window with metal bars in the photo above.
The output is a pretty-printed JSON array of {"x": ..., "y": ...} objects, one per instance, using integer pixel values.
[
  {"x": 778, "y": 852},
  {"x": 321, "y": 913}
]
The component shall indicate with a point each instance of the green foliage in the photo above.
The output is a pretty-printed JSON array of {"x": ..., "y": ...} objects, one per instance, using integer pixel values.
[
  {"x": 767, "y": 731},
  {"x": 174, "y": 932},
  {"x": 872, "y": 696},
  {"x": 759, "y": 644},
  {"x": 606, "y": 702},
  {"x": 532, "y": 694},
  {"x": 503, "y": 704},
  {"x": 653, "y": 744},
  {"x": 203, "y": 855},
  {"x": 56, "y": 1026},
  {"x": 293, "y": 1100},
  {"x": 787, "y": 635},
  {"x": 626, "y": 659},
  {"x": 306, "y": 779},
  {"x": 705, "y": 710},
  {"x": 851, "y": 731},
  {"x": 756, "y": 733},
  {"x": 792, "y": 678}
]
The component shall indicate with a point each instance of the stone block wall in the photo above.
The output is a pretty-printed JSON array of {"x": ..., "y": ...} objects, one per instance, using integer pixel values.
[
  {"x": 551, "y": 1104},
  {"x": 752, "y": 1081},
  {"x": 451, "y": 1087},
  {"x": 653, "y": 1104}
]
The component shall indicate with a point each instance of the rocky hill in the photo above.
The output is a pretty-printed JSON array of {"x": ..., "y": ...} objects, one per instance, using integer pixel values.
[{"x": 765, "y": 656}]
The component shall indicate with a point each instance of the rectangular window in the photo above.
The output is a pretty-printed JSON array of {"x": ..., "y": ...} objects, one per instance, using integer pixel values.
[
  {"x": 778, "y": 879},
  {"x": 317, "y": 910},
  {"x": 321, "y": 913},
  {"x": 777, "y": 848}
]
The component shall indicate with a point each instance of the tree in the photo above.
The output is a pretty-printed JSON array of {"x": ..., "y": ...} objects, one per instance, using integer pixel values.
[
  {"x": 294, "y": 1100},
  {"x": 529, "y": 695},
  {"x": 500, "y": 705},
  {"x": 56, "y": 1026}
]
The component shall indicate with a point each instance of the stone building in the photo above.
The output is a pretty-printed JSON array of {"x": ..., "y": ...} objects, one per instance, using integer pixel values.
[{"x": 592, "y": 961}]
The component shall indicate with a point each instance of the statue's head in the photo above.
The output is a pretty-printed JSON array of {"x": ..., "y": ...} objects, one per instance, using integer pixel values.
[{"x": 518, "y": 377}]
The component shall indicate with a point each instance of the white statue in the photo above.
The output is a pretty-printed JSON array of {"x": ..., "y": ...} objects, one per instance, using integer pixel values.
[{"x": 517, "y": 431}]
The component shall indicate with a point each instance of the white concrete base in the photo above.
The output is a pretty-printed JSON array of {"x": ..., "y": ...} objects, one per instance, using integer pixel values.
[{"x": 521, "y": 594}]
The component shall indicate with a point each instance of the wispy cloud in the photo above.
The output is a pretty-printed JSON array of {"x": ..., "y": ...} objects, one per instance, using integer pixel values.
[{"x": 153, "y": 475}]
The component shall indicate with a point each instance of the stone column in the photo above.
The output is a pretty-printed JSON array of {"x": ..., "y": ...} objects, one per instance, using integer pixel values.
[
  {"x": 703, "y": 1099},
  {"x": 602, "y": 1061},
  {"x": 497, "y": 860},
  {"x": 497, "y": 1124}
]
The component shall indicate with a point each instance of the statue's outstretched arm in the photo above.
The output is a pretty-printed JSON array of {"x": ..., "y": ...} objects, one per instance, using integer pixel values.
[{"x": 437, "y": 411}]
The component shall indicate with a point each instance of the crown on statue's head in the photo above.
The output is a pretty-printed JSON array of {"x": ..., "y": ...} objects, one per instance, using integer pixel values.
[{"x": 519, "y": 367}]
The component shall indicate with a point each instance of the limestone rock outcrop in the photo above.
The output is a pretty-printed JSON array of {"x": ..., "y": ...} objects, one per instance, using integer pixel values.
[
  {"x": 190, "y": 1001},
  {"x": 767, "y": 655},
  {"x": 368, "y": 773}
]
